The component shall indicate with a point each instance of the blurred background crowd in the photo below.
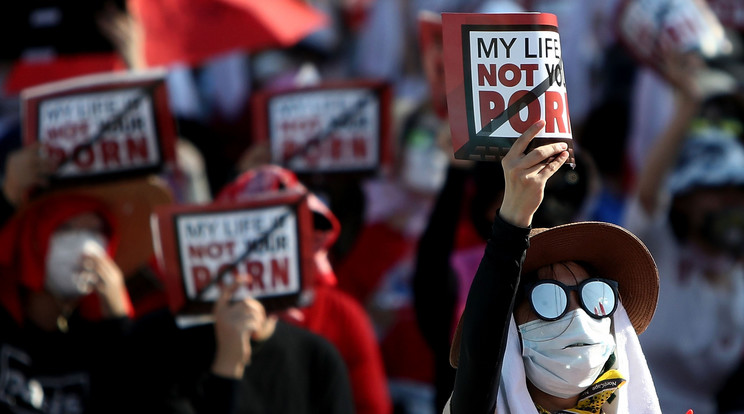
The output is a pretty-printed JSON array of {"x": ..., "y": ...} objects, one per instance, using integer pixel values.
[{"x": 659, "y": 147}]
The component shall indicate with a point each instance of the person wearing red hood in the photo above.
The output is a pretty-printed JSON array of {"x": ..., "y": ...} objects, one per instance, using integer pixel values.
[
  {"x": 64, "y": 307},
  {"x": 330, "y": 312}
]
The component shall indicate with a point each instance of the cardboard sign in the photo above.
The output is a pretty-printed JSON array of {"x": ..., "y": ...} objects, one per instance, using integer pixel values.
[
  {"x": 202, "y": 247},
  {"x": 340, "y": 127},
  {"x": 729, "y": 12},
  {"x": 647, "y": 28},
  {"x": 503, "y": 73},
  {"x": 102, "y": 126}
]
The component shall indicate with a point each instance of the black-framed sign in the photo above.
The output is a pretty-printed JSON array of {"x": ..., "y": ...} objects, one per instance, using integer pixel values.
[{"x": 264, "y": 242}]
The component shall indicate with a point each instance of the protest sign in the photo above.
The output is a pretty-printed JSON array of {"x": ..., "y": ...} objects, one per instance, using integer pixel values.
[
  {"x": 266, "y": 240},
  {"x": 432, "y": 58},
  {"x": 333, "y": 127},
  {"x": 503, "y": 73},
  {"x": 102, "y": 126},
  {"x": 651, "y": 28}
]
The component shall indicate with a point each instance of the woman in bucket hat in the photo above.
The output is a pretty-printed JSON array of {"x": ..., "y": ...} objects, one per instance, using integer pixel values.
[{"x": 552, "y": 316}]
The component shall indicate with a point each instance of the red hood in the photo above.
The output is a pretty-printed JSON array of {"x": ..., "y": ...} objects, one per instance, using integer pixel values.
[
  {"x": 272, "y": 178},
  {"x": 25, "y": 241}
]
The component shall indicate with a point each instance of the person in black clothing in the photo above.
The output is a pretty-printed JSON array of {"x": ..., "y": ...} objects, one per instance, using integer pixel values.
[
  {"x": 446, "y": 261},
  {"x": 247, "y": 361},
  {"x": 260, "y": 364},
  {"x": 578, "y": 351},
  {"x": 64, "y": 308}
]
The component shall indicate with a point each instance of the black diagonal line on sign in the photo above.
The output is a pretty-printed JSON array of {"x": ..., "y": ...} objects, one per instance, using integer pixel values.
[
  {"x": 107, "y": 125},
  {"x": 342, "y": 119},
  {"x": 517, "y": 106},
  {"x": 279, "y": 222}
]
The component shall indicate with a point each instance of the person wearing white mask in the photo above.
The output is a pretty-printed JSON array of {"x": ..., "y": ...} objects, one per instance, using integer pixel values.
[
  {"x": 551, "y": 320},
  {"x": 65, "y": 311}
]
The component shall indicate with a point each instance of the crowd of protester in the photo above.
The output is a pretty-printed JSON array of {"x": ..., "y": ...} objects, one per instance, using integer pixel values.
[{"x": 658, "y": 151}]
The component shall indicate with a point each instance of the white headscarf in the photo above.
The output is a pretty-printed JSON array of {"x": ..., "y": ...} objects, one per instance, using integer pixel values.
[{"x": 513, "y": 397}]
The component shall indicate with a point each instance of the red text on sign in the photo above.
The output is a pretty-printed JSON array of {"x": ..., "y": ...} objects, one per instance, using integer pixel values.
[
  {"x": 128, "y": 151},
  {"x": 555, "y": 112},
  {"x": 332, "y": 148},
  {"x": 262, "y": 276},
  {"x": 507, "y": 74}
]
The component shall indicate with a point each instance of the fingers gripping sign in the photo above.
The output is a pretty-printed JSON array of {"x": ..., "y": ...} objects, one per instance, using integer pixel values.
[
  {"x": 25, "y": 169},
  {"x": 236, "y": 322},
  {"x": 526, "y": 175}
]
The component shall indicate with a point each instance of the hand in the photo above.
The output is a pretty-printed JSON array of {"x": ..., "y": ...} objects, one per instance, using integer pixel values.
[
  {"x": 27, "y": 167},
  {"x": 235, "y": 324},
  {"x": 526, "y": 175},
  {"x": 682, "y": 71},
  {"x": 108, "y": 282},
  {"x": 125, "y": 33}
]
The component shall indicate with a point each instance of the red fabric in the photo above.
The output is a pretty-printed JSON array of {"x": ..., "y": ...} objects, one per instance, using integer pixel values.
[
  {"x": 25, "y": 74},
  {"x": 191, "y": 31},
  {"x": 375, "y": 250},
  {"x": 404, "y": 350},
  {"x": 25, "y": 240},
  {"x": 337, "y": 317},
  {"x": 380, "y": 252}
]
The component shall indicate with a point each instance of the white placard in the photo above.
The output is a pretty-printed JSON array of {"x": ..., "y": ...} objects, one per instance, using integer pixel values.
[
  {"x": 73, "y": 121},
  {"x": 209, "y": 242},
  {"x": 325, "y": 130},
  {"x": 506, "y": 66}
]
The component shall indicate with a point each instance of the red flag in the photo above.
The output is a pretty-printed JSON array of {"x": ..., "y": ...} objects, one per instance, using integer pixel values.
[{"x": 190, "y": 31}]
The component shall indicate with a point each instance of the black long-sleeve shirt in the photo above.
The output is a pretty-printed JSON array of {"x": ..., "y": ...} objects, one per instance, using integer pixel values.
[
  {"x": 434, "y": 283},
  {"x": 435, "y": 289},
  {"x": 294, "y": 371},
  {"x": 488, "y": 310},
  {"x": 79, "y": 371}
]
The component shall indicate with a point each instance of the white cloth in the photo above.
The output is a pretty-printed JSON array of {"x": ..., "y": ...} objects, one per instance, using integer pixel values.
[
  {"x": 696, "y": 338},
  {"x": 637, "y": 396}
]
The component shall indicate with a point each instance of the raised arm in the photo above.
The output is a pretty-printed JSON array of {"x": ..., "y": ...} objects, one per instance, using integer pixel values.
[
  {"x": 491, "y": 298},
  {"x": 665, "y": 150}
]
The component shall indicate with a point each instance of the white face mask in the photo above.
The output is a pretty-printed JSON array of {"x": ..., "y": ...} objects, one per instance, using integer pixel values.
[
  {"x": 553, "y": 362},
  {"x": 65, "y": 276}
]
